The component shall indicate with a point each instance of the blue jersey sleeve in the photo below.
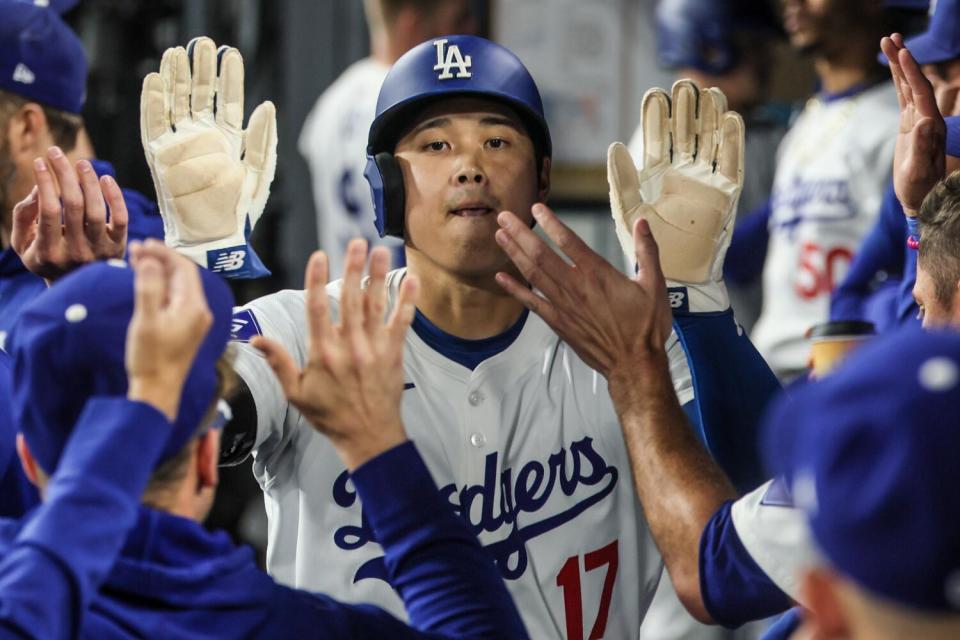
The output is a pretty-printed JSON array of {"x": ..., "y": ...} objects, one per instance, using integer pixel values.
[
  {"x": 881, "y": 254},
  {"x": 449, "y": 584},
  {"x": 735, "y": 590},
  {"x": 48, "y": 577},
  {"x": 748, "y": 248}
]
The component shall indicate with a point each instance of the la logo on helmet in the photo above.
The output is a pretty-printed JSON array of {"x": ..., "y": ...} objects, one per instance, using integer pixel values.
[{"x": 450, "y": 57}]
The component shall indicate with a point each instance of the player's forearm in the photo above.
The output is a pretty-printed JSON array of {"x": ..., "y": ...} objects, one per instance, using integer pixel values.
[{"x": 678, "y": 483}]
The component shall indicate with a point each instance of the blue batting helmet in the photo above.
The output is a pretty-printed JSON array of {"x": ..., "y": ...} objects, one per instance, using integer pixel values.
[
  {"x": 699, "y": 33},
  {"x": 443, "y": 68}
]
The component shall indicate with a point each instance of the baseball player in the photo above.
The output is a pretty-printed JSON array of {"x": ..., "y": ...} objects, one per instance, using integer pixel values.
[
  {"x": 732, "y": 561},
  {"x": 831, "y": 171},
  {"x": 173, "y": 578},
  {"x": 890, "y": 249},
  {"x": 43, "y": 75},
  {"x": 726, "y": 44},
  {"x": 519, "y": 432},
  {"x": 47, "y": 578},
  {"x": 334, "y": 135},
  {"x": 867, "y": 453}
]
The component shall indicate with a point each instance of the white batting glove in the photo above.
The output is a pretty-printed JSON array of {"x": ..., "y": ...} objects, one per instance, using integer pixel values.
[
  {"x": 687, "y": 189},
  {"x": 212, "y": 177}
]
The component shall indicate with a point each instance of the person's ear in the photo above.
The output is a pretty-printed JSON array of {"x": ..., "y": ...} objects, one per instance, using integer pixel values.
[
  {"x": 208, "y": 457},
  {"x": 544, "y": 186},
  {"x": 27, "y": 461},
  {"x": 825, "y": 615},
  {"x": 28, "y": 133}
]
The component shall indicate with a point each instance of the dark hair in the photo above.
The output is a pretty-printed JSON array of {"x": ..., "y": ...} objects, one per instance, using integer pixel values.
[
  {"x": 64, "y": 126},
  {"x": 939, "y": 220}
]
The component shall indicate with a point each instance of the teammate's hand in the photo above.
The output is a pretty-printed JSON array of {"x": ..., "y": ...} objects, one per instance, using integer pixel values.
[
  {"x": 52, "y": 238},
  {"x": 212, "y": 177},
  {"x": 353, "y": 381},
  {"x": 687, "y": 187},
  {"x": 611, "y": 321},
  {"x": 919, "y": 161},
  {"x": 170, "y": 320}
]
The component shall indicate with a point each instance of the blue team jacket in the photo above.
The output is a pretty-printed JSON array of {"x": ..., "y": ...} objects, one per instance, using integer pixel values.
[
  {"x": 17, "y": 494},
  {"x": 175, "y": 579}
]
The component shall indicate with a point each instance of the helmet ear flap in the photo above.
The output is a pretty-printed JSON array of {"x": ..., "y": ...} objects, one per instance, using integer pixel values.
[{"x": 386, "y": 186}]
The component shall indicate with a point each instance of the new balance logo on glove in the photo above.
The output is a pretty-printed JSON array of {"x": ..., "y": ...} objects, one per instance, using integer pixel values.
[{"x": 228, "y": 260}]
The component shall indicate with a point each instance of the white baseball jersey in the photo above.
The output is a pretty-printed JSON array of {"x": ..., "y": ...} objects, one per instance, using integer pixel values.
[
  {"x": 334, "y": 143},
  {"x": 526, "y": 446},
  {"x": 832, "y": 168},
  {"x": 776, "y": 535}
]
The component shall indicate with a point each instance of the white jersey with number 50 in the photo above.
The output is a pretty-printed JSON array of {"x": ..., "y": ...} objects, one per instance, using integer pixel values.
[
  {"x": 526, "y": 447},
  {"x": 832, "y": 168}
]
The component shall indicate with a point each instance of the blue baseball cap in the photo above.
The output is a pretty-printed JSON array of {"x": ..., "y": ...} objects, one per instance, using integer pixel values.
[
  {"x": 68, "y": 345},
  {"x": 60, "y": 6},
  {"x": 953, "y": 136},
  {"x": 870, "y": 454},
  {"x": 941, "y": 41},
  {"x": 455, "y": 66},
  {"x": 701, "y": 33},
  {"x": 41, "y": 58}
]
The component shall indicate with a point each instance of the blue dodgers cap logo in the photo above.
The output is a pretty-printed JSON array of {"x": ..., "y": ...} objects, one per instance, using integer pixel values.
[
  {"x": 244, "y": 326},
  {"x": 449, "y": 57}
]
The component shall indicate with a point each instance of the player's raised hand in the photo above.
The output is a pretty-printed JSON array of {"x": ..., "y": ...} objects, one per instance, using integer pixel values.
[
  {"x": 170, "y": 320},
  {"x": 212, "y": 176},
  {"x": 687, "y": 186},
  {"x": 919, "y": 161},
  {"x": 57, "y": 230},
  {"x": 351, "y": 386},
  {"x": 611, "y": 321}
]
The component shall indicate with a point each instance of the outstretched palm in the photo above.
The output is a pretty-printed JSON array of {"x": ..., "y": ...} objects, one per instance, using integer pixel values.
[
  {"x": 212, "y": 176},
  {"x": 688, "y": 183},
  {"x": 919, "y": 161}
]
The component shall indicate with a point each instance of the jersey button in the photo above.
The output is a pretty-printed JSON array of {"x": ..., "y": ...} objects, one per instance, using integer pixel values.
[
  {"x": 474, "y": 398},
  {"x": 478, "y": 440}
]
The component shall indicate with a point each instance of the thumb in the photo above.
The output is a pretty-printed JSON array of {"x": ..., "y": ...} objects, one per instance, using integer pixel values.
[{"x": 649, "y": 271}]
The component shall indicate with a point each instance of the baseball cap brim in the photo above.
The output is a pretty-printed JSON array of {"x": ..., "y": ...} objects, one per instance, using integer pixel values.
[{"x": 927, "y": 48}]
